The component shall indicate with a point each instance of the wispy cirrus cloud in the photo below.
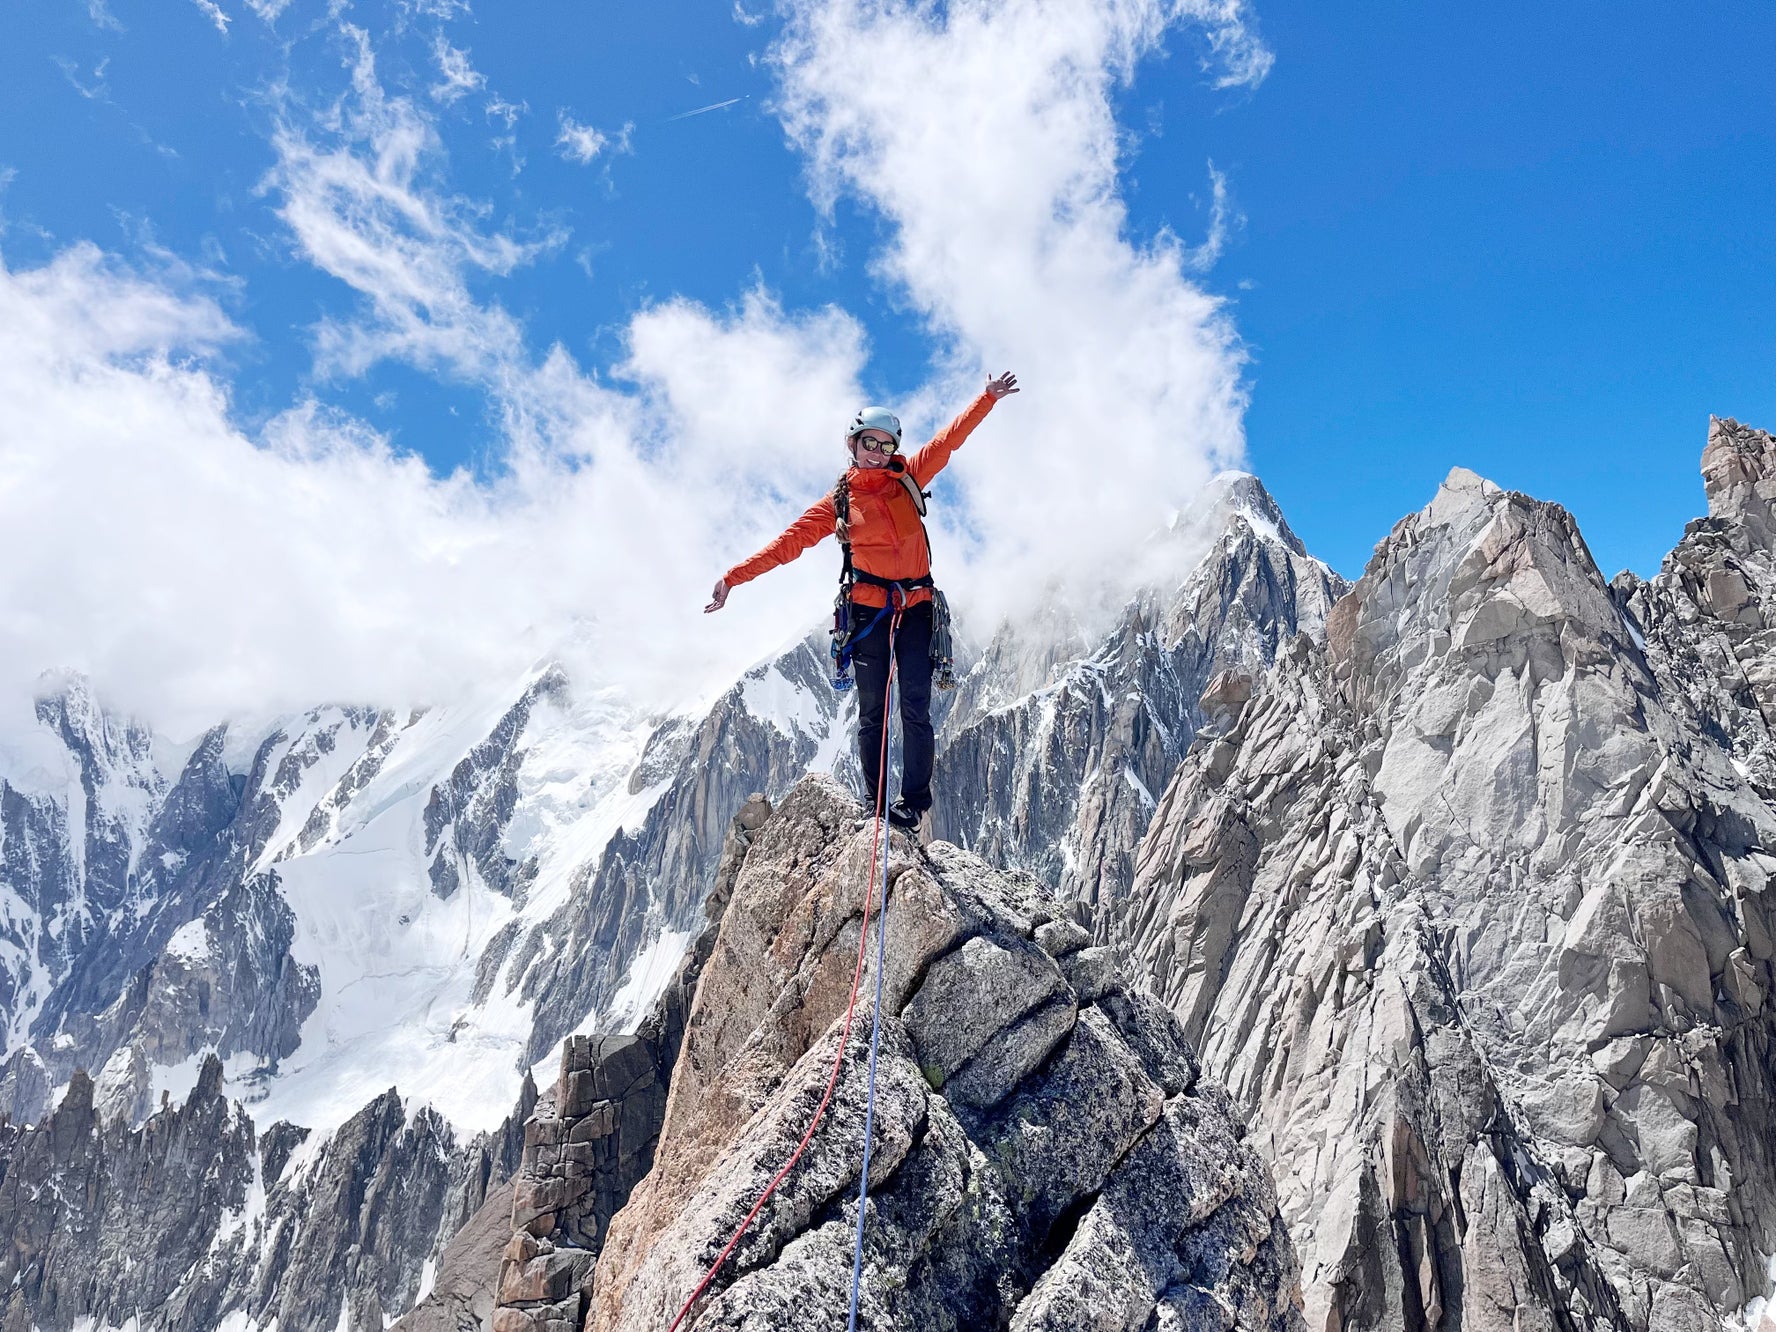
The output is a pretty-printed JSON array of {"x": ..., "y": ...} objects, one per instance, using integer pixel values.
[
  {"x": 354, "y": 193},
  {"x": 102, "y": 17},
  {"x": 457, "y": 78},
  {"x": 90, "y": 86},
  {"x": 215, "y": 14},
  {"x": 583, "y": 144},
  {"x": 1224, "y": 220}
]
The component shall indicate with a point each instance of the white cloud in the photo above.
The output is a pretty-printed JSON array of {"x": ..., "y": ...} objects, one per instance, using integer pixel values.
[
  {"x": 215, "y": 14},
  {"x": 1238, "y": 58},
  {"x": 457, "y": 77},
  {"x": 498, "y": 108},
  {"x": 268, "y": 10},
  {"x": 1009, "y": 237},
  {"x": 194, "y": 572},
  {"x": 195, "y": 569},
  {"x": 434, "y": 9},
  {"x": 353, "y": 195},
  {"x": 1224, "y": 219},
  {"x": 96, "y": 90},
  {"x": 581, "y": 143}
]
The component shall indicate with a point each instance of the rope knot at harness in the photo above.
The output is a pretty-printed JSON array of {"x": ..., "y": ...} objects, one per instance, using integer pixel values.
[{"x": 877, "y": 859}]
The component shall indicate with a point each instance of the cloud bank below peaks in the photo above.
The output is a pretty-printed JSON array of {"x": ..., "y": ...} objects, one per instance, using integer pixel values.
[{"x": 195, "y": 572}]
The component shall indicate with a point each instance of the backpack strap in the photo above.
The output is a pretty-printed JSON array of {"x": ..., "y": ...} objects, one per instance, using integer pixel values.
[
  {"x": 919, "y": 496},
  {"x": 841, "y": 497},
  {"x": 845, "y": 636}
]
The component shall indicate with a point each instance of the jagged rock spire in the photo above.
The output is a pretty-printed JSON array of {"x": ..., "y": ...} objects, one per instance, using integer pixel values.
[{"x": 1470, "y": 913}]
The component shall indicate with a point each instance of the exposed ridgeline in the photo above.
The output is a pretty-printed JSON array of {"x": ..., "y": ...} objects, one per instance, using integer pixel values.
[
  {"x": 1710, "y": 615},
  {"x": 1471, "y": 906},
  {"x": 1055, "y": 746},
  {"x": 1045, "y": 1155}
]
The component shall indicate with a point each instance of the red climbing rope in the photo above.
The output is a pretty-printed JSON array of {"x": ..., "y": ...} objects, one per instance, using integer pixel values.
[{"x": 832, "y": 1080}]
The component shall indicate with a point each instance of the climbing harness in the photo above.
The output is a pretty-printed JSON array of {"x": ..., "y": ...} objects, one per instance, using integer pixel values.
[
  {"x": 880, "y": 826},
  {"x": 845, "y": 633}
]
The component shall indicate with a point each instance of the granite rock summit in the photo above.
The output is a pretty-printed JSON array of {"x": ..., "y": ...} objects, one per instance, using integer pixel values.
[{"x": 1046, "y": 1154}]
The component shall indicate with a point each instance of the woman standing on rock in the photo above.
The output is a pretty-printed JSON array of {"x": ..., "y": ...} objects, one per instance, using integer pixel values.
[{"x": 877, "y": 511}]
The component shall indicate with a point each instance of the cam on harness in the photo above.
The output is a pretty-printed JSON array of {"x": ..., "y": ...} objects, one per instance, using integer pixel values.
[{"x": 846, "y": 633}]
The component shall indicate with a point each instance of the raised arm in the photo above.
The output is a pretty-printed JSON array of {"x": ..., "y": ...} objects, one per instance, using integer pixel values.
[
  {"x": 809, "y": 530},
  {"x": 930, "y": 460}
]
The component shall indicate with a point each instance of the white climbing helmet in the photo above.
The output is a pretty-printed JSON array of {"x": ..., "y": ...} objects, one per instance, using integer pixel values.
[{"x": 874, "y": 418}]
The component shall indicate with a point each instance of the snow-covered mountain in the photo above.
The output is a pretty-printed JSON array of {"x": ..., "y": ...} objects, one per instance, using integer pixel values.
[{"x": 360, "y": 928}]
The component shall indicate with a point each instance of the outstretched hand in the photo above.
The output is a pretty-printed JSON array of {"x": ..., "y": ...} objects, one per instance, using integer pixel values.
[
  {"x": 719, "y": 597},
  {"x": 1000, "y": 387}
]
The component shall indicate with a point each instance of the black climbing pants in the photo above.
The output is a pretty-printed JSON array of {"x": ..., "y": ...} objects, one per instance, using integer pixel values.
[{"x": 912, "y": 679}]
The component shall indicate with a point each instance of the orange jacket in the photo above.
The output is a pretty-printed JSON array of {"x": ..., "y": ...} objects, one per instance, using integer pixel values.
[{"x": 887, "y": 537}]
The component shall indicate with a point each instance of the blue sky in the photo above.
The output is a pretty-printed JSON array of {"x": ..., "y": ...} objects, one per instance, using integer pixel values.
[
  {"x": 1530, "y": 239},
  {"x": 1527, "y": 239}
]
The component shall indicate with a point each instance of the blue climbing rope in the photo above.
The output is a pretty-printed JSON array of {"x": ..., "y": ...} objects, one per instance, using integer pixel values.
[
  {"x": 844, "y": 1034},
  {"x": 869, "y": 1113}
]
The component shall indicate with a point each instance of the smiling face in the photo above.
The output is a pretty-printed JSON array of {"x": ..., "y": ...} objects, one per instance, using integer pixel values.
[{"x": 872, "y": 448}]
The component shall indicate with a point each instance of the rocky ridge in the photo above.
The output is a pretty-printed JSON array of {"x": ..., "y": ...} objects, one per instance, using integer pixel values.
[
  {"x": 1043, "y": 1143},
  {"x": 1469, "y": 907},
  {"x": 1708, "y": 617},
  {"x": 193, "y": 1218}
]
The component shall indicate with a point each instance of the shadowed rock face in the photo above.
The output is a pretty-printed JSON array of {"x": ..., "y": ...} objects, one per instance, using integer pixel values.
[
  {"x": 586, "y": 1145},
  {"x": 1043, "y": 1146},
  {"x": 189, "y": 1218},
  {"x": 1469, "y": 908}
]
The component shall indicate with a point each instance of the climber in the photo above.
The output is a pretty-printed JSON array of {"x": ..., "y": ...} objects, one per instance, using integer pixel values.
[{"x": 877, "y": 512}]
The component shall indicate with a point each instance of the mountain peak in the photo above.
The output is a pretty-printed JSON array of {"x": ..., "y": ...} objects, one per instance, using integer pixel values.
[
  {"x": 1739, "y": 476},
  {"x": 1462, "y": 490},
  {"x": 1241, "y": 494}
]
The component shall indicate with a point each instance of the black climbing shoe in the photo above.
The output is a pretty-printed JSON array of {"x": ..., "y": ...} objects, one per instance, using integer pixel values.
[{"x": 901, "y": 816}]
